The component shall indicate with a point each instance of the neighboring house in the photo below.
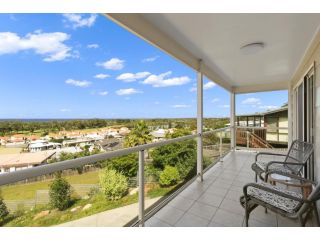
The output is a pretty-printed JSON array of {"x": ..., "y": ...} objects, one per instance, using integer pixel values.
[
  {"x": 266, "y": 126},
  {"x": 42, "y": 145},
  {"x": 95, "y": 136},
  {"x": 78, "y": 142},
  {"x": 124, "y": 131},
  {"x": 159, "y": 134},
  {"x": 15, "y": 162},
  {"x": 277, "y": 119}
]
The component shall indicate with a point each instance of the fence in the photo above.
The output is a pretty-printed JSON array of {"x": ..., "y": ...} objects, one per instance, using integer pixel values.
[{"x": 42, "y": 197}]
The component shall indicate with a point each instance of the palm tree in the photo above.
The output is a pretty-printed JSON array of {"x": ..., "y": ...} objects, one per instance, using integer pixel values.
[{"x": 139, "y": 135}]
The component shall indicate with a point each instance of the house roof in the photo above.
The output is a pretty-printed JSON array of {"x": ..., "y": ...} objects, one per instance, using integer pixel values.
[
  {"x": 24, "y": 159},
  {"x": 261, "y": 114}
]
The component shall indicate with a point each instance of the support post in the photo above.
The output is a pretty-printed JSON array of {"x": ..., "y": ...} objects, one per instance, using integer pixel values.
[
  {"x": 220, "y": 149},
  {"x": 232, "y": 120},
  {"x": 290, "y": 116},
  {"x": 199, "y": 123},
  {"x": 141, "y": 188}
]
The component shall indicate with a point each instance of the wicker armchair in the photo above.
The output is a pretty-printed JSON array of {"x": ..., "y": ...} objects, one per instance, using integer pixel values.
[
  {"x": 296, "y": 158},
  {"x": 288, "y": 203}
]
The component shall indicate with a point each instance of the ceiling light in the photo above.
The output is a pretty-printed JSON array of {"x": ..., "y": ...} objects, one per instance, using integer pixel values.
[{"x": 252, "y": 48}]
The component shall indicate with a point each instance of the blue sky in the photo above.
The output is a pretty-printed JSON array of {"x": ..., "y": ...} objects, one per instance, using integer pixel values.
[{"x": 85, "y": 66}]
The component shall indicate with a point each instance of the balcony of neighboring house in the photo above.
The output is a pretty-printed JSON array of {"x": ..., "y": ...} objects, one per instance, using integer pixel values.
[{"x": 243, "y": 53}]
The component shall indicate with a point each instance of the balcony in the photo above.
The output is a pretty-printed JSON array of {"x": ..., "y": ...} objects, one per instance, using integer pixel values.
[{"x": 215, "y": 201}]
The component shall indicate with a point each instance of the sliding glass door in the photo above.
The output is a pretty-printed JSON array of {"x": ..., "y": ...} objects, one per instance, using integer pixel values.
[{"x": 304, "y": 114}]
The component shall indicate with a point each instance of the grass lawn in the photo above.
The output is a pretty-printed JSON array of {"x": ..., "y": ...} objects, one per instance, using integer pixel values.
[
  {"x": 55, "y": 217},
  {"x": 28, "y": 190},
  {"x": 99, "y": 204}
]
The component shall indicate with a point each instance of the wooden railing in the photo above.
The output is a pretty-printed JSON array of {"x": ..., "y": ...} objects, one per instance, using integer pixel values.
[{"x": 252, "y": 139}]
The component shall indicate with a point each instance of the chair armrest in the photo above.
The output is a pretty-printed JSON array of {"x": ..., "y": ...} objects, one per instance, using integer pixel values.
[
  {"x": 283, "y": 163},
  {"x": 297, "y": 177},
  {"x": 270, "y": 190},
  {"x": 269, "y": 153}
]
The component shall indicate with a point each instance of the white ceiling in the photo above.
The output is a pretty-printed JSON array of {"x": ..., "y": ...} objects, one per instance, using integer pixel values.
[{"x": 217, "y": 38}]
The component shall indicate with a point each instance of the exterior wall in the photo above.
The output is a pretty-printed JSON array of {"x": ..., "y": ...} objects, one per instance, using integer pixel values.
[{"x": 312, "y": 56}]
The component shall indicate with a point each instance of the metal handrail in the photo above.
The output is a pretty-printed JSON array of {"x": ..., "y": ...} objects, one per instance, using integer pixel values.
[
  {"x": 215, "y": 130},
  {"x": 267, "y": 128},
  {"x": 12, "y": 177}
]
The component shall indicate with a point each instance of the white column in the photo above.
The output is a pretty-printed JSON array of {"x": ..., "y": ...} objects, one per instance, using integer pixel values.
[
  {"x": 141, "y": 188},
  {"x": 199, "y": 124},
  {"x": 290, "y": 115},
  {"x": 232, "y": 120}
]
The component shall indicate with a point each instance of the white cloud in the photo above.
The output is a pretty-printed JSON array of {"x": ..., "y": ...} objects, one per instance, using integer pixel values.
[
  {"x": 102, "y": 76},
  {"x": 157, "y": 102},
  {"x": 205, "y": 86},
  {"x": 104, "y": 93},
  {"x": 78, "y": 20},
  {"x": 215, "y": 100},
  {"x": 112, "y": 64},
  {"x": 94, "y": 45},
  {"x": 150, "y": 59},
  {"x": 65, "y": 110},
  {"x": 49, "y": 45},
  {"x": 225, "y": 106},
  {"x": 131, "y": 77},
  {"x": 180, "y": 106},
  {"x": 78, "y": 83},
  {"x": 208, "y": 85},
  {"x": 127, "y": 91},
  {"x": 193, "y": 89},
  {"x": 252, "y": 101},
  {"x": 269, "y": 107},
  {"x": 161, "y": 81}
]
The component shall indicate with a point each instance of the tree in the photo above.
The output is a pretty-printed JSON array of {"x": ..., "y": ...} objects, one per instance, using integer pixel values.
[
  {"x": 3, "y": 209},
  {"x": 127, "y": 165},
  {"x": 181, "y": 155},
  {"x": 139, "y": 135},
  {"x": 60, "y": 193}
]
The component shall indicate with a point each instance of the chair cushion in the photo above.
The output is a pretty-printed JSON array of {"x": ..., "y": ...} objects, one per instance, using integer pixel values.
[
  {"x": 283, "y": 203},
  {"x": 275, "y": 166}
]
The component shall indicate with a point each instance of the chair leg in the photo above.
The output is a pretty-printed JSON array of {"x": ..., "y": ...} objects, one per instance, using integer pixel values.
[
  {"x": 302, "y": 222},
  {"x": 247, "y": 214},
  {"x": 316, "y": 214}
]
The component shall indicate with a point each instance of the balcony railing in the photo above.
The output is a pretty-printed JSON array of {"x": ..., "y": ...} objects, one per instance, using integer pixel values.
[
  {"x": 261, "y": 137},
  {"x": 217, "y": 144}
]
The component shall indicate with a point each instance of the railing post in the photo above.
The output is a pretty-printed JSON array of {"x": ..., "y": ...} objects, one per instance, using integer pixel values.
[
  {"x": 232, "y": 120},
  {"x": 199, "y": 122},
  {"x": 248, "y": 143},
  {"x": 220, "y": 146},
  {"x": 141, "y": 188}
]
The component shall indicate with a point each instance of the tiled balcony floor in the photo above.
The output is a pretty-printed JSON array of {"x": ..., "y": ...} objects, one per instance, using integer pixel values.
[{"x": 215, "y": 201}]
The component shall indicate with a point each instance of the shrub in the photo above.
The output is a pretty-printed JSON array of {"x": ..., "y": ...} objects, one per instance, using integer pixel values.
[
  {"x": 60, "y": 193},
  {"x": 3, "y": 210},
  {"x": 114, "y": 185},
  {"x": 169, "y": 176}
]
